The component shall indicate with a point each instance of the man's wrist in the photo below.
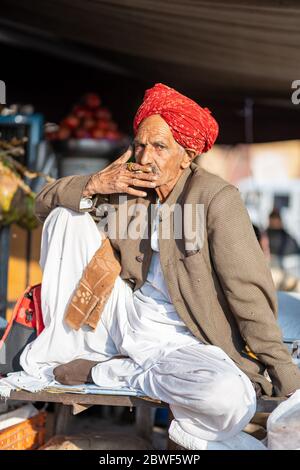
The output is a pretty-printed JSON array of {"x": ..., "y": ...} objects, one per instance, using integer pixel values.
[
  {"x": 86, "y": 203},
  {"x": 89, "y": 189}
]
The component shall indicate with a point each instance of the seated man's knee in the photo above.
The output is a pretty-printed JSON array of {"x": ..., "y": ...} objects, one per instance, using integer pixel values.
[
  {"x": 229, "y": 397},
  {"x": 61, "y": 217},
  {"x": 63, "y": 212}
]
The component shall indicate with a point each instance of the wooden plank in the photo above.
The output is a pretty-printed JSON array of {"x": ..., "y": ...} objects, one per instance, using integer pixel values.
[
  {"x": 79, "y": 408},
  {"x": 62, "y": 418},
  {"x": 73, "y": 398},
  {"x": 144, "y": 422},
  {"x": 264, "y": 404}
]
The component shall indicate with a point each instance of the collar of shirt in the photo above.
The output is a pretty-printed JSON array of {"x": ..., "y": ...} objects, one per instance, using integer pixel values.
[{"x": 154, "y": 227}]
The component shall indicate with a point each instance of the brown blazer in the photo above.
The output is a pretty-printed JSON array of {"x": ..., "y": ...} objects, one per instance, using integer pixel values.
[{"x": 224, "y": 293}]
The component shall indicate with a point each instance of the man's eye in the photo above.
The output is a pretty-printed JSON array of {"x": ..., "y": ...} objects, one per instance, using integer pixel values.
[
  {"x": 139, "y": 146},
  {"x": 161, "y": 147}
]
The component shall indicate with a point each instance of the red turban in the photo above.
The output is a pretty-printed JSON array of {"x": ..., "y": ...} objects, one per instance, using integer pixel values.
[{"x": 192, "y": 126}]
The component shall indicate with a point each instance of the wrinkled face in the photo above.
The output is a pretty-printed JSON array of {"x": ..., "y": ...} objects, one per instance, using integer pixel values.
[{"x": 155, "y": 145}]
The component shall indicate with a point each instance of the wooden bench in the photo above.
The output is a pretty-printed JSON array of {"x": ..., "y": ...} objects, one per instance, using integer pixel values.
[{"x": 67, "y": 404}]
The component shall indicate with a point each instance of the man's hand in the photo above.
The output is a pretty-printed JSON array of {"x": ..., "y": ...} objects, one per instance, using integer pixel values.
[{"x": 116, "y": 178}]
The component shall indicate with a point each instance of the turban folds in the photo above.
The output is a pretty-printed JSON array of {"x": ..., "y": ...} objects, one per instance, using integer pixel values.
[{"x": 192, "y": 126}]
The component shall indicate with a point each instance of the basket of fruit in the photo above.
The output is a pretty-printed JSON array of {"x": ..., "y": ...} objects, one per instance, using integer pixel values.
[
  {"x": 88, "y": 139},
  {"x": 16, "y": 196}
]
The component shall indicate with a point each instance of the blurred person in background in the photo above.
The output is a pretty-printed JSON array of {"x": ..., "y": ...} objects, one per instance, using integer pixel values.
[
  {"x": 280, "y": 241},
  {"x": 283, "y": 281}
]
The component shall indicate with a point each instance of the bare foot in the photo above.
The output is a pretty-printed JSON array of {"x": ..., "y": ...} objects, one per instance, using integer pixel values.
[{"x": 75, "y": 372}]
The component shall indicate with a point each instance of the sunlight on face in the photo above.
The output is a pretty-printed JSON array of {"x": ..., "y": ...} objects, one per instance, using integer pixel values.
[{"x": 155, "y": 145}]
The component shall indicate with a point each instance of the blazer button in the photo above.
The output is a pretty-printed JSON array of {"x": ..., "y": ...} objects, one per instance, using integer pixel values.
[{"x": 139, "y": 258}]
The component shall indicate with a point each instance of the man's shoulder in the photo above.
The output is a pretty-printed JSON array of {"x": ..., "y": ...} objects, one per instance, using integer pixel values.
[{"x": 206, "y": 184}]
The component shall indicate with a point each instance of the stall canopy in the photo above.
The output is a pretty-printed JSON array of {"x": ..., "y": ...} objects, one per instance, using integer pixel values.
[
  {"x": 247, "y": 46},
  {"x": 228, "y": 55}
]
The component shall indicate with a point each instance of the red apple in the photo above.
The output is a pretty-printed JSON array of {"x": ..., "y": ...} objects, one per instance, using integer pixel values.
[
  {"x": 113, "y": 135},
  {"x": 103, "y": 125},
  {"x": 88, "y": 123},
  {"x": 79, "y": 111},
  {"x": 103, "y": 113},
  {"x": 64, "y": 133},
  {"x": 92, "y": 100},
  {"x": 113, "y": 126},
  {"x": 72, "y": 122},
  {"x": 97, "y": 133},
  {"x": 82, "y": 134}
]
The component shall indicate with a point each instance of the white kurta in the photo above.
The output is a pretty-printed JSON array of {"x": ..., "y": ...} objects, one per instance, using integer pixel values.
[
  {"x": 211, "y": 399},
  {"x": 151, "y": 327}
]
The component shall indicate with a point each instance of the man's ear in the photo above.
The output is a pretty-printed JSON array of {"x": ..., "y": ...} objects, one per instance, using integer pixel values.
[{"x": 189, "y": 155}]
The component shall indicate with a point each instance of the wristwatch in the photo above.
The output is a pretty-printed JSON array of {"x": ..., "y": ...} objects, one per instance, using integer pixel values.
[{"x": 86, "y": 203}]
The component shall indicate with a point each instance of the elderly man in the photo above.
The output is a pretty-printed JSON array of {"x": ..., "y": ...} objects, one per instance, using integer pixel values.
[{"x": 192, "y": 324}]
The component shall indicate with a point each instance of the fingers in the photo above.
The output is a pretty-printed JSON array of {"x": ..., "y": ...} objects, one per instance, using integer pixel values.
[
  {"x": 148, "y": 168},
  {"x": 124, "y": 187},
  {"x": 141, "y": 176},
  {"x": 144, "y": 168},
  {"x": 139, "y": 183},
  {"x": 125, "y": 157},
  {"x": 135, "y": 192}
]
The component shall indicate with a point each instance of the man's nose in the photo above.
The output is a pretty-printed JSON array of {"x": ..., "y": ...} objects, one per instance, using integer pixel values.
[{"x": 146, "y": 156}]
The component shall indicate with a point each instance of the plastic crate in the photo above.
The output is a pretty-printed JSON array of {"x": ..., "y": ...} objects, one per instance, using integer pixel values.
[{"x": 28, "y": 435}]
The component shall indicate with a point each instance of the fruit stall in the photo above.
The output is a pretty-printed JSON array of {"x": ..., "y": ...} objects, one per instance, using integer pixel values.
[{"x": 32, "y": 152}]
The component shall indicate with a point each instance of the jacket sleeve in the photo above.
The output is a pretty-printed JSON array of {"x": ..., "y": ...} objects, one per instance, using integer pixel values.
[
  {"x": 248, "y": 286},
  {"x": 65, "y": 192}
]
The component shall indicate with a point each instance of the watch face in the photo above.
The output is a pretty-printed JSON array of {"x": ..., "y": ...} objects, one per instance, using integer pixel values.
[{"x": 85, "y": 203}]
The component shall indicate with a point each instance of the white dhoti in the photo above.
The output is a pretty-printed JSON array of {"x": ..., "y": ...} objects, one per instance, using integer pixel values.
[{"x": 210, "y": 397}]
